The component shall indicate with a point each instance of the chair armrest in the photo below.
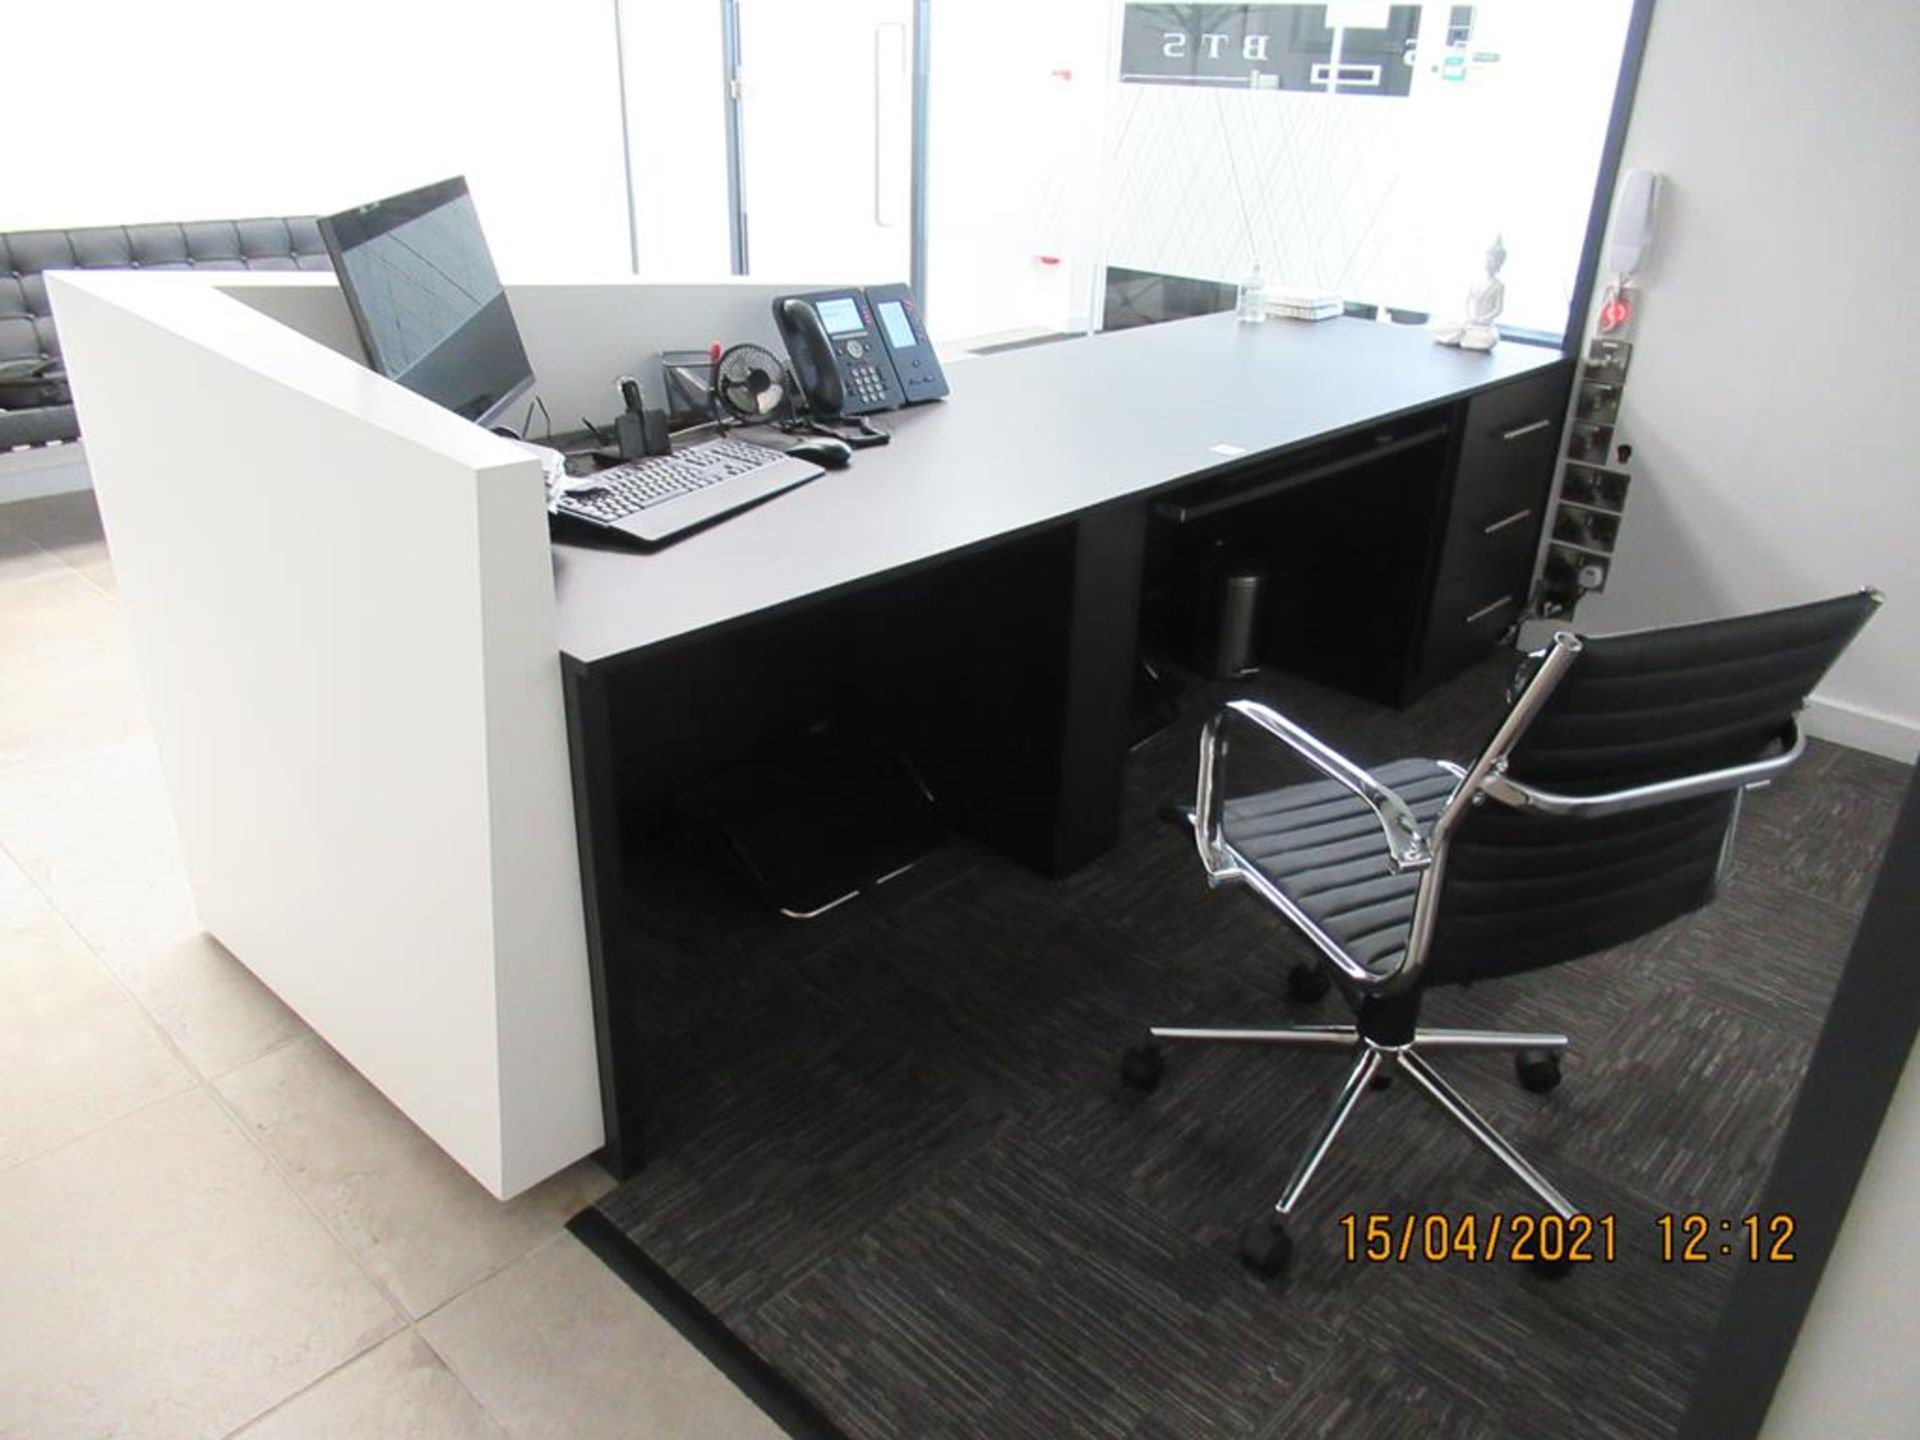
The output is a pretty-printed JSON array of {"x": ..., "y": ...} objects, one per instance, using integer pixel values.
[
  {"x": 1591, "y": 807},
  {"x": 1407, "y": 847}
]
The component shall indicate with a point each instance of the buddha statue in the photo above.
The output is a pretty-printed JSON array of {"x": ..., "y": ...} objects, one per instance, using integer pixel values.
[{"x": 1475, "y": 331}]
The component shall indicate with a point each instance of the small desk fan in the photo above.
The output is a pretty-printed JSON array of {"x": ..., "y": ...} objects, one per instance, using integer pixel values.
[{"x": 752, "y": 385}]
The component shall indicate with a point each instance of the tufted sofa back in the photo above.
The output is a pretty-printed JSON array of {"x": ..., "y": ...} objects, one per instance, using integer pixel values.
[{"x": 35, "y": 406}]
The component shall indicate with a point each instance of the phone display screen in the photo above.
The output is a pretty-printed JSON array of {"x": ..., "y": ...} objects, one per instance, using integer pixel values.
[
  {"x": 893, "y": 319},
  {"x": 839, "y": 315}
]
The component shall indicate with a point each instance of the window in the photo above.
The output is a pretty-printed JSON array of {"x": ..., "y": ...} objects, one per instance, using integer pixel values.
[{"x": 1364, "y": 150}]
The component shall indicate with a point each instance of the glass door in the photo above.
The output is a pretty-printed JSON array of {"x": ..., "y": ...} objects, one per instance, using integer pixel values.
[{"x": 822, "y": 102}]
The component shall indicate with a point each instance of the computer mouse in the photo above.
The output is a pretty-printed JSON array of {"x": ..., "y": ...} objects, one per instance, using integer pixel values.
[{"x": 823, "y": 450}]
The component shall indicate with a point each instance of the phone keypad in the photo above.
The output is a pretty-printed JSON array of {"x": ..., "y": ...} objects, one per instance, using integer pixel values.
[{"x": 865, "y": 385}]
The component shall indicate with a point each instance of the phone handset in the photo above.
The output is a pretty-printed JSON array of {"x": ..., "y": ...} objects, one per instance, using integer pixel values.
[{"x": 813, "y": 356}]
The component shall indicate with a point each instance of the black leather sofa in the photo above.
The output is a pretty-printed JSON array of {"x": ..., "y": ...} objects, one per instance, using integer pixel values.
[{"x": 35, "y": 406}]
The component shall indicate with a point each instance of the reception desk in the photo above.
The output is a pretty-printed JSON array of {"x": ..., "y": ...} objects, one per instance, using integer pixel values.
[{"x": 413, "y": 745}]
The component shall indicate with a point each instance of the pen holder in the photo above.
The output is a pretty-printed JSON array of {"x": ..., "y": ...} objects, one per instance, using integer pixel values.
[{"x": 685, "y": 372}]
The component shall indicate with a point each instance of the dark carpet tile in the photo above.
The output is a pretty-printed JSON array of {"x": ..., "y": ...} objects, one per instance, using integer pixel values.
[
  {"x": 1365, "y": 1388},
  {"x": 1688, "y": 1103},
  {"x": 1766, "y": 952},
  {"x": 1093, "y": 1290},
  {"x": 1149, "y": 903},
  {"x": 1821, "y": 829},
  {"x": 1040, "y": 1009},
  {"x": 1582, "y": 1002},
  {"x": 1212, "y": 1147},
  {"x": 1606, "y": 1352},
  {"x": 1208, "y": 1174},
  {"x": 783, "y": 1132},
  {"x": 890, "y": 1151},
  {"x": 677, "y": 989},
  {"x": 1876, "y": 772}
]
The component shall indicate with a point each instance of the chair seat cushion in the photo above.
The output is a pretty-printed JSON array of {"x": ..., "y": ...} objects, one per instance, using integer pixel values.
[{"x": 1322, "y": 847}]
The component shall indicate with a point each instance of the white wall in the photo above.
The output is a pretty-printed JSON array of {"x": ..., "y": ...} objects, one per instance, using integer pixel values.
[
  {"x": 1774, "y": 455},
  {"x": 222, "y": 109}
]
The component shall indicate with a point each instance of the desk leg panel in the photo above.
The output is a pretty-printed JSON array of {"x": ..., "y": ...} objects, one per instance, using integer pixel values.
[
  {"x": 1101, "y": 649},
  {"x": 1007, "y": 677},
  {"x": 596, "y": 804}
]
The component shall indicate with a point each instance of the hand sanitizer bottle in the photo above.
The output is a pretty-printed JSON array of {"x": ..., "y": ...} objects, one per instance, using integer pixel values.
[{"x": 1250, "y": 306}]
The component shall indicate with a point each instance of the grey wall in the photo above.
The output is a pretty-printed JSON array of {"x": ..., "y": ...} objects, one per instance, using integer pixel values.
[{"x": 1775, "y": 458}]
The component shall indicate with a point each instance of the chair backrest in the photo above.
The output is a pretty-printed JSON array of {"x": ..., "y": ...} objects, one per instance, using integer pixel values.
[{"x": 1520, "y": 885}]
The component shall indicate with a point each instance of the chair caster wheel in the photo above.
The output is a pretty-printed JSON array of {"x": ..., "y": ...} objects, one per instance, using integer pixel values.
[
  {"x": 1537, "y": 1070},
  {"x": 1308, "y": 982},
  {"x": 1265, "y": 1246},
  {"x": 1142, "y": 1067},
  {"x": 1382, "y": 1079}
]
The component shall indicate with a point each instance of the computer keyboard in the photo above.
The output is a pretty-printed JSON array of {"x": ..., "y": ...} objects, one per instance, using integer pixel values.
[
  {"x": 635, "y": 485},
  {"x": 655, "y": 499}
]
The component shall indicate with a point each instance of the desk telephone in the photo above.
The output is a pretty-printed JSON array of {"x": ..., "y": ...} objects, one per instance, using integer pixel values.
[{"x": 859, "y": 351}]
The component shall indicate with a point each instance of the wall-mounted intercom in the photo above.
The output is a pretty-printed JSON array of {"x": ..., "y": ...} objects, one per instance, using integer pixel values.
[
  {"x": 1634, "y": 213},
  {"x": 856, "y": 352}
]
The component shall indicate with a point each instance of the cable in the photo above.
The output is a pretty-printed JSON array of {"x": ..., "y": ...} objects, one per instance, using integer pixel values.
[
  {"x": 526, "y": 422},
  {"x": 865, "y": 434}
]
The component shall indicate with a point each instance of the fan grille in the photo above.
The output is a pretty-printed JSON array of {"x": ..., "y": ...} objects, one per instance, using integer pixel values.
[{"x": 752, "y": 383}]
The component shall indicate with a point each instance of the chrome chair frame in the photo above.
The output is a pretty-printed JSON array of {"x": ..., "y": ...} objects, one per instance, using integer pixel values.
[{"x": 1410, "y": 847}]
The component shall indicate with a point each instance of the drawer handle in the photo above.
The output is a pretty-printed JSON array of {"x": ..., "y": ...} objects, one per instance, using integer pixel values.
[
  {"x": 1514, "y": 519},
  {"x": 1519, "y": 430},
  {"x": 1485, "y": 610}
]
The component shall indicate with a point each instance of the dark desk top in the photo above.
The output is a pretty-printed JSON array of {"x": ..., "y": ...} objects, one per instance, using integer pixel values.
[{"x": 1028, "y": 437}]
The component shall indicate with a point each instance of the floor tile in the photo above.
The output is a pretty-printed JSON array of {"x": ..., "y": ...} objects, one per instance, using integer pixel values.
[
  {"x": 163, "y": 1281},
  {"x": 54, "y": 607},
  {"x": 75, "y": 1052},
  {"x": 64, "y": 667},
  {"x": 557, "y": 1347},
  {"x": 398, "y": 1391},
  {"x": 210, "y": 1005},
  {"x": 95, "y": 832},
  {"x": 20, "y": 557},
  {"x": 418, "y": 1221},
  {"x": 66, "y": 526}
]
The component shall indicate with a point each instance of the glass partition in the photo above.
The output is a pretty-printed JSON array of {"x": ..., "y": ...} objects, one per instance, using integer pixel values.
[
  {"x": 1096, "y": 163},
  {"x": 1099, "y": 163}
]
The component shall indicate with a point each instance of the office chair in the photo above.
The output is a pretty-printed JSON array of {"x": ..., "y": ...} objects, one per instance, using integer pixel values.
[{"x": 1603, "y": 807}]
